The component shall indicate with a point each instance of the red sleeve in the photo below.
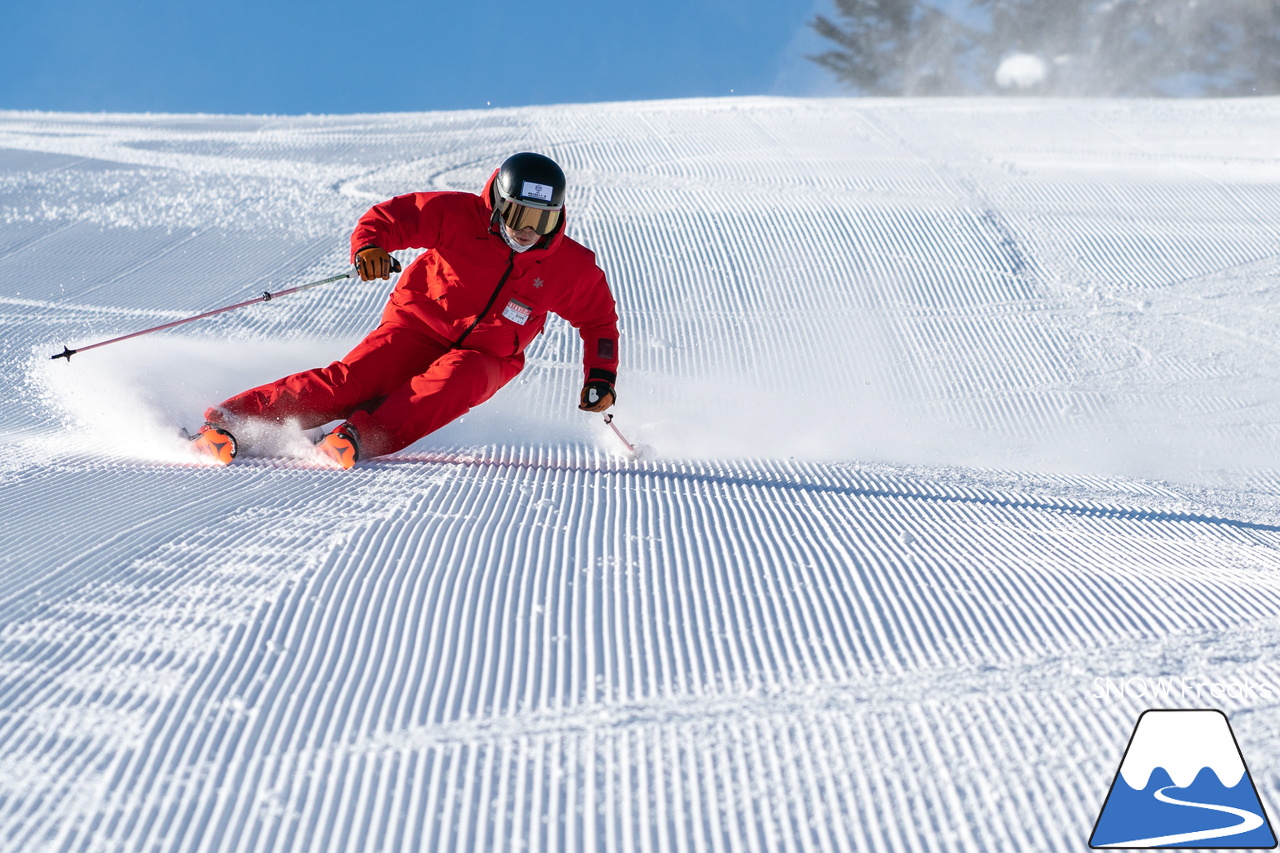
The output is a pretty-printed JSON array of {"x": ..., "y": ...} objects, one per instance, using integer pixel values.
[
  {"x": 592, "y": 311},
  {"x": 412, "y": 221}
]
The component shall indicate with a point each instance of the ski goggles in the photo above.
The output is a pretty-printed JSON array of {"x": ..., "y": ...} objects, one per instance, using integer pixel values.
[{"x": 518, "y": 216}]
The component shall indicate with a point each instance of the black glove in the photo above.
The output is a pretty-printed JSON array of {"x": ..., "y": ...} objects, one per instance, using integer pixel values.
[{"x": 597, "y": 395}]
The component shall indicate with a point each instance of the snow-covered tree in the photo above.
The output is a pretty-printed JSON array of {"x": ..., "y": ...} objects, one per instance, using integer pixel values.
[
  {"x": 895, "y": 47},
  {"x": 1056, "y": 47},
  {"x": 1239, "y": 44}
]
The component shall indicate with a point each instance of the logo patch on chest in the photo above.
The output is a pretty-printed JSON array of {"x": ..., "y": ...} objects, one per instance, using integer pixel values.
[{"x": 517, "y": 312}]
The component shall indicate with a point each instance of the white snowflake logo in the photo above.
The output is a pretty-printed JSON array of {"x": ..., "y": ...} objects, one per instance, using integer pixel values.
[{"x": 537, "y": 282}]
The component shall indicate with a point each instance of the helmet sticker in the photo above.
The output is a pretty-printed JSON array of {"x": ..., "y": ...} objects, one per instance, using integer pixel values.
[{"x": 542, "y": 192}]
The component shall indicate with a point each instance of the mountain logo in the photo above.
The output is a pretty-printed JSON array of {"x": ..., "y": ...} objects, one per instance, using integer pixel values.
[{"x": 1183, "y": 783}]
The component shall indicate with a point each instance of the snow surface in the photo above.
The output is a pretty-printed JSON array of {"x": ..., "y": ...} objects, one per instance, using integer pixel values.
[{"x": 960, "y": 414}]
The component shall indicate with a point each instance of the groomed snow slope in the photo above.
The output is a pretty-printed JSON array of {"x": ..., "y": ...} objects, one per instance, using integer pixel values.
[{"x": 953, "y": 408}]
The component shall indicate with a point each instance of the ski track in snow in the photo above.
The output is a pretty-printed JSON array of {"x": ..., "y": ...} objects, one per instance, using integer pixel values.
[{"x": 953, "y": 407}]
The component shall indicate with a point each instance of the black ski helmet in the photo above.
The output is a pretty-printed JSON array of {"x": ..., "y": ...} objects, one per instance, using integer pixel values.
[{"x": 526, "y": 183}]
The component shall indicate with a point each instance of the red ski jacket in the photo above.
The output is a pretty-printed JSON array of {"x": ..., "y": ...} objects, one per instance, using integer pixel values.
[{"x": 471, "y": 290}]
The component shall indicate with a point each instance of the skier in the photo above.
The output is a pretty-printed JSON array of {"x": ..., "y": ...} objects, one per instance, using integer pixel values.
[{"x": 456, "y": 326}]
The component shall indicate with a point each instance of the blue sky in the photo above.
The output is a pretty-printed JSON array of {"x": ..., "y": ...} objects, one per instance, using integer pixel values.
[{"x": 238, "y": 56}]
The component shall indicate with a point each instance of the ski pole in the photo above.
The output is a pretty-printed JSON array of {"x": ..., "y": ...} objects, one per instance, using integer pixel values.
[
  {"x": 630, "y": 447},
  {"x": 266, "y": 296}
]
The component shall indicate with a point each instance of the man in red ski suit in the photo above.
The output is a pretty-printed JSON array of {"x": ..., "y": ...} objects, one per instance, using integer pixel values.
[{"x": 458, "y": 321}]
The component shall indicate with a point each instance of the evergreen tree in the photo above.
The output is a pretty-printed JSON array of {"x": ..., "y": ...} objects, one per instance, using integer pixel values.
[
  {"x": 895, "y": 47},
  {"x": 1086, "y": 47},
  {"x": 1238, "y": 47}
]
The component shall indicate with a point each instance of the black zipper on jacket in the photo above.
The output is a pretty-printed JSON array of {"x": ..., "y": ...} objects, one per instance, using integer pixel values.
[{"x": 511, "y": 265}]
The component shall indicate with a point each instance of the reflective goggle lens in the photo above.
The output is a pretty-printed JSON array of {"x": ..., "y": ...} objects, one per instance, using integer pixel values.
[{"x": 519, "y": 216}]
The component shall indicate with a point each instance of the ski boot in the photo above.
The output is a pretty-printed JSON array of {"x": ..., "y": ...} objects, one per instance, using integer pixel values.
[
  {"x": 341, "y": 447},
  {"x": 214, "y": 443}
]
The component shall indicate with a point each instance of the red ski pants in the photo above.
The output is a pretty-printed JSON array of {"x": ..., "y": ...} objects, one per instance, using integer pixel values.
[{"x": 396, "y": 386}]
